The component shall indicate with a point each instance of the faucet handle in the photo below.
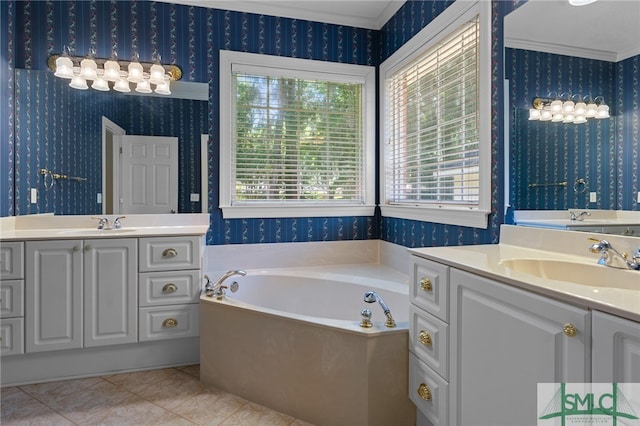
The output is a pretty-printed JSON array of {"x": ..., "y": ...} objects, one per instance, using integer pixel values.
[
  {"x": 116, "y": 222},
  {"x": 366, "y": 318}
]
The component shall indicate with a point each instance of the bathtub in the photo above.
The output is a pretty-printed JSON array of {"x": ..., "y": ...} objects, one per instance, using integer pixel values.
[{"x": 290, "y": 339}]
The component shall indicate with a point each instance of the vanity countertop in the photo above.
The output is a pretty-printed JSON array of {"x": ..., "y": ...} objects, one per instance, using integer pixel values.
[
  {"x": 555, "y": 245},
  {"x": 46, "y": 226},
  {"x": 560, "y": 219}
]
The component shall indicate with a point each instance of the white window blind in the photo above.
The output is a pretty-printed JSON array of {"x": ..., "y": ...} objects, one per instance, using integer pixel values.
[
  {"x": 297, "y": 140},
  {"x": 432, "y": 153}
]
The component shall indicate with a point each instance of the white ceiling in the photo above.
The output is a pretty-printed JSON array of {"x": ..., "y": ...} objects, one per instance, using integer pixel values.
[
  {"x": 606, "y": 30},
  {"x": 372, "y": 14}
]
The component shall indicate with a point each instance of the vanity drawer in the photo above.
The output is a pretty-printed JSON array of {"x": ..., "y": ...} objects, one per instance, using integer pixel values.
[
  {"x": 12, "y": 335},
  {"x": 429, "y": 340},
  {"x": 12, "y": 260},
  {"x": 423, "y": 380},
  {"x": 11, "y": 298},
  {"x": 430, "y": 287},
  {"x": 165, "y": 288},
  {"x": 168, "y": 322},
  {"x": 169, "y": 253}
]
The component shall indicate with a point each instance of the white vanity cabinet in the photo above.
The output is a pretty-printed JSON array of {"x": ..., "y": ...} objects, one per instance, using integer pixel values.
[
  {"x": 12, "y": 298},
  {"x": 504, "y": 341},
  {"x": 615, "y": 349},
  {"x": 80, "y": 293}
]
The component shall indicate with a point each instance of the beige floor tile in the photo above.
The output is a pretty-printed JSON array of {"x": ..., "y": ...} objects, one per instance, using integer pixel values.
[
  {"x": 299, "y": 422},
  {"x": 172, "y": 391},
  {"x": 192, "y": 370},
  {"x": 51, "y": 391},
  {"x": 211, "y": 407},
  {"x": 257, "y": 415},
  {"x": 140, "y": 380},
  {"x": 171, "y": 419},
  {"x": 18, "y": 408}
]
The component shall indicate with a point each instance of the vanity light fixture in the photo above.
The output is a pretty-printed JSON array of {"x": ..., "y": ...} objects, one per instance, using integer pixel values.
[
  {"x": 568, "y": 109},
  {"x": 102, "y": 72}
]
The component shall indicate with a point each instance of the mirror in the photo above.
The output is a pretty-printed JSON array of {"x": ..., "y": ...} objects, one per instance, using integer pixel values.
[
  {"x": 553, "y": 48},
  {"x": 60, "y": 129}
]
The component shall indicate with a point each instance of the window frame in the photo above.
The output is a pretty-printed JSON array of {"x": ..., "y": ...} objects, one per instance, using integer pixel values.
[
  {"x": 449, "y": 20},
  {"x": 295, "y": 67}
]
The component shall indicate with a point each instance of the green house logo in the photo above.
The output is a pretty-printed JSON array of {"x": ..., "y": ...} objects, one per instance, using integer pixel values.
[{"x": 588, "y": 404}]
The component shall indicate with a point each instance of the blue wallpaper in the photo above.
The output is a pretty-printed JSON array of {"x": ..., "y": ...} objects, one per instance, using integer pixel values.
[
  {"x": 7, "y": 48},
  {"x": 604, "y": 152}
]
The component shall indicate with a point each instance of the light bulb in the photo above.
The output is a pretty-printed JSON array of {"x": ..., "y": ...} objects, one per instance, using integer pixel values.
[
  {"x": 122, "y": 85},
  {"x": 557, "y": 117},
  {"x": 163, "y": 89},
  {"x": 580, "y": 119},
  {"x": 580, "y": 108},
  {"x": 78, "y": 82},
  {"x": 143, "y": 87},
  {"x": 135, "y": 72},
  {"x": 111, "y": 70},
  {"x": 556, "y": 106},
  {"x": 156, "y": 74},
  {"x": 568, "y": 106},
  {"x": 100, "y": 84},
  {"x": 592, "y": 110},
  {"x": 534, "y": 114},
  {"x": 603, "y": 111},
  {"x": 88, "y": 69},
  {"x": 569, "y": 118},
  {"x": 64, "y": 67},
  {"x": 545, "y": 115}
]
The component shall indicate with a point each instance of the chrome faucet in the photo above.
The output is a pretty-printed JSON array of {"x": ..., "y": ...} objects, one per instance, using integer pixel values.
[
  {"x": 116, "y": 222},
  {"x": 371, "y": 297},
  {"x": 217, "y": 289},
  {"x": 103, "y": 222},
  {"x": 603, "y": 247},
  {"x": 579, "y": 217}
]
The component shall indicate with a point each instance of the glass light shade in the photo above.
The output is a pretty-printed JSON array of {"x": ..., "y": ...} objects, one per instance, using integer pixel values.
[
  {"x": 580, "y": 119},
  {"x": 122, "y": 85},
  {"x": 534, "y": 114},
  {"x": 163, "y": 89},
  {"x": 557, "y": 118},
  {"x": 143, "y": 87},
  {"x": 556, "y": 106},
  {"x": 568, "y": 106},
  {"x": 78, "y": 82},
  {"x": 156, "y": 74},
  {"x": 135, "y": 72},
  {"x": 603, "y": 111},
  {"x": 111, "y": 71},
  {"x": 100, "y": 84},
  {"x": 64, "y": 68},
  {"x": 592, "y": 110},
  {"x": 88, "y": 69},
  {"x": 569, "y": 118},
  {"x": 545, "y": 115},
  {"x": 580, "y": 109}
]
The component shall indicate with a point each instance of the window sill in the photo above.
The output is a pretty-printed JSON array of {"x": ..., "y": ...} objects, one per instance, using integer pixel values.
[
  {"x": 447, "y": 215},
  {"x": 271, "y": 211}
]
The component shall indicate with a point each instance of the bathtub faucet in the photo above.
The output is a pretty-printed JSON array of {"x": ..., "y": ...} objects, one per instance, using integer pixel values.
[
  {"x": 217, "y": 289},
  {"x": 371, "y": 297}
]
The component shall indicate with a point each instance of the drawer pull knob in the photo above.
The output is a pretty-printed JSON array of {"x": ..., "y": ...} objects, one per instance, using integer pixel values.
[
  {"x": 169, "y": 288},
  {"x": 426, "y": 284},
  {"x": 424, "y": 392},
  {"x": 170, "y": 252},
  {"x": 76, "y": 248},
  {"x": 570, "y": 330},
  {"x": 425, "y": 338},
  {"x": 170, "y": 323}
]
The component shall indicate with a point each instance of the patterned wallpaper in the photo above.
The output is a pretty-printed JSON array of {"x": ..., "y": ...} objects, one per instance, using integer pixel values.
[{"x": 604, "y": 152}]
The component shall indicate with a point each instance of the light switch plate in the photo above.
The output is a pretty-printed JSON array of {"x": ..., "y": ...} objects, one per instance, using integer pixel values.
[
  {"x": 593, "y": 197},
  {"x": 99, "y": 198},
  {"x": 195, "y": 198},
  {"x": 34, "y": 195}
]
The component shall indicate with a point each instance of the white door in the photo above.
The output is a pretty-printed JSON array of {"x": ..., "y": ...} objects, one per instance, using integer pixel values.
[{"x": 149, "y": 174}]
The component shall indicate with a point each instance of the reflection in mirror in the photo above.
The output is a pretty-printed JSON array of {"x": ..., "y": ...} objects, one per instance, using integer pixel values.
[
  {"x": 60, "y": 129},
  {"x": 542, "y": 63}
]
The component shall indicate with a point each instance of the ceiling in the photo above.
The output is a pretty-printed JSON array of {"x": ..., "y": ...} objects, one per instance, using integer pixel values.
[
  {"x": 605, "y": 30},
  {"x": 371, "y": 14}
]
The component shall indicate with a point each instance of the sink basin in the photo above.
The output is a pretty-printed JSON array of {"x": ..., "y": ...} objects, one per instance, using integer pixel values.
[
  {"x": 94, "y": 231},
  {"x": 593, "y": 275}
]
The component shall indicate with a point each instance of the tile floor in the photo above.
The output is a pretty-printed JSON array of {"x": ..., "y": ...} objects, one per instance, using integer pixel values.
[{"x": 170, "y": 396}]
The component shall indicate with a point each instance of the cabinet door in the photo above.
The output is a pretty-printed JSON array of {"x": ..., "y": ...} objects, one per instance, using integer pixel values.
[
  {"x": 53, "y": 295},
  {"x": 504, "y": 341},
  {"x": 111, "y": 290},
  {"x": 615, "y": 349}
]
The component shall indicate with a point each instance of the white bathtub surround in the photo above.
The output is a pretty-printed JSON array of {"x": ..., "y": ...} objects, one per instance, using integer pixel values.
[{"x": 290, "y": 338}]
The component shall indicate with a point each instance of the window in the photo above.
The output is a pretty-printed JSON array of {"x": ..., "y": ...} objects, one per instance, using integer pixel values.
[
  {"x": 435, "y": 95},
  {"x": 297, "y": 137}
]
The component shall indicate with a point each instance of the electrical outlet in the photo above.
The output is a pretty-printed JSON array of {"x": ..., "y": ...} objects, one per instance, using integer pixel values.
[
  {"x": 34, "y": 195},
  {"x": 638, "y": 197},
  {"x": 593, "y": 197},
  {"x": 99, "y": 198},
  {"x": 195, "y": 198}
]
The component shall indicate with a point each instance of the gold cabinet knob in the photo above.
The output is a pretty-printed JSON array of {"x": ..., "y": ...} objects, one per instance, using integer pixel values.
[
  {"x": 170, "y": 323},
  {"x": 170, "y": 252},
  {"x": 169, "y": 288},
  {"x": 570, "y": 330},
  {"x": 425, "y": 338},
  {"x": 424, "y": 392},
  {"x": 426, "y": 284}
]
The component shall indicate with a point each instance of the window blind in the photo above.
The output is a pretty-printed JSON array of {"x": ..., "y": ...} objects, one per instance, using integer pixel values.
[
  {"x": 432, "y": 151},
  {"x": 297, "y": 140}
]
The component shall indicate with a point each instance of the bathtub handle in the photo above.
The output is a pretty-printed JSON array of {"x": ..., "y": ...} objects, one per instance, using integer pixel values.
[
  {"x": 426, "y": 284},
  {"x": 425, "y": 338},
  {"x": 424, "y": 392},
  {"x": 170, "y": 323},
  {"x": 169, "y": 288}
]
